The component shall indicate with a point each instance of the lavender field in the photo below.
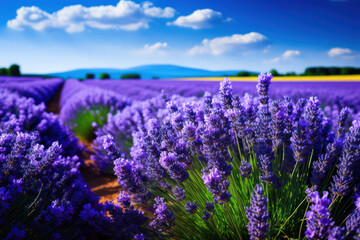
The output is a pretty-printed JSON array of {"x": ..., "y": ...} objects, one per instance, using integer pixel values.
[{"x": 190, "y": 159}]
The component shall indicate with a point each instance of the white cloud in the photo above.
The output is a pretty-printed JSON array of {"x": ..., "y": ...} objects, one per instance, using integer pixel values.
[
  {"x": 157, "y": 48},
  {"x": 339, "y": 52},
  {"x": 126, "y": 15},
  {"x": 289, "y": 54},
  {"x": 202, "y": 18},
  {"x": 236, "y": 42}
]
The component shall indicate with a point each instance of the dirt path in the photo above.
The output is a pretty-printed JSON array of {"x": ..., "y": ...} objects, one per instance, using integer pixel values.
[
  {"x": 54, "y": 104},
  {"x": 105, "y": 186}
]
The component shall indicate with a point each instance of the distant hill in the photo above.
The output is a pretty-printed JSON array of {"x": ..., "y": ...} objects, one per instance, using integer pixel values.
[{"x": 146, "y": 72}]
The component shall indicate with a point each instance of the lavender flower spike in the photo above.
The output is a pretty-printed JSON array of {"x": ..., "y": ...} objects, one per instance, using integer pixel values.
[
  {"x": 263, "y": 112},
  {"x": 245, "y": 169},
  {"x": 319, "y": 222},
  {"x": 165, "y": 219},
  {"x": 257, "y": 215},
  {"x": 191, "y": 207},
  {"x": 179, "y": 193},
  {"x": 353, "y": 222},
  {"x": 349, "y": 162},
  {"x": 226, "y": 93},
  {"x": 262, "y": 87}
]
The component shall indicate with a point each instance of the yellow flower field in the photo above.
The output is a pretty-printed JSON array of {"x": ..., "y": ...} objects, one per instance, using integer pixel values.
[{"x": 332, "y": 78}]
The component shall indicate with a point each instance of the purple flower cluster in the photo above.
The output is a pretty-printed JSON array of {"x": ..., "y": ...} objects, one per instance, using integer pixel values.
[
  {"x": 257, "y": 215},
  {"x": 33, "y": 178},
  {"x": 42, "y": 193},
  {"x": 20, "y": 114},
  {"x": 165, "y": 218},
  {"x": 348, "y": 168},
  {"x": 319, "y": 223}
]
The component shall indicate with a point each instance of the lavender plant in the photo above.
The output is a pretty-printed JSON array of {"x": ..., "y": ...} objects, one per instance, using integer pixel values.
[
  {"x": 21, "y": 114},
  {"x": 43, "y": 196},
  {"x": 238, "y": 167},
  {"x": 123, "y": 127}
]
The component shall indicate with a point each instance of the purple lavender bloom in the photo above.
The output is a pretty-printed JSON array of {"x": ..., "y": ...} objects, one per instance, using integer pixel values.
[
  {"x": 288, "y": 110},
  {"x": 348, "y": 166},
  {"x": 337, "y": 233},
  {"x": 312, "y": 115},
  {"x": 165, "y": 219},
  {"x": 125, "y": 221},
  {"x": 217, "y": 186},
  {"x": 139, "y": 237},
  {"x": 264, "y": 80},
  {"x": 106, "y": 152},
  {"x": 257, "y": 215},
  {"x": 190, "y": 114},
  {"x": 277, "y": 124},
  {"x": 176, "y": 169},
  {"x": 299, "y": 109},
  {"x": 189, "y": 131},
  {"x": 206, "y": 215},
  {"x": 208, "y": 102},
  {"x": 172, "y": 106},
  {"x": 154, "y": 129},
  {"x": 265, "y": 157},
  {"x": 191, "y": 207},
  {"x": 124, "y": 199},
  {"x": 353, "y": 222},
  {"x": 300, "y": 142},
  {"x": 226, "y": 93},
  {"x": 245, "y": 169},
  {"x": 130, "y": 178},
  {"x": 15, "y": 233},
  {"x": 179, "y": 193},
  {"x": 29, "y": 172},
  {"x": 319, "y": 222},
  {"x": 209, "y": 206},
  {"x": 341, "y": 122},
  {"x": 250, "y": 114},
  {"x": 326, "y": 161},
  {"x": 177, "y": 121},
  {"x": 237, "y": 118},
  {"x": 327, "y": 135}
]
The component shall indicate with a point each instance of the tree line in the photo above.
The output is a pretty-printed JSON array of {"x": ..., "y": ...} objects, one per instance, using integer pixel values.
[
  {"x": 310, "y": 71},
  {"x": 13, "y": 70},
  {"x": 107, "y": 76}
]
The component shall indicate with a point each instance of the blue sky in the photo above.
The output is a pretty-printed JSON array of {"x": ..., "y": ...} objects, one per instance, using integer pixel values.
[{"x": 48, "y": 36}]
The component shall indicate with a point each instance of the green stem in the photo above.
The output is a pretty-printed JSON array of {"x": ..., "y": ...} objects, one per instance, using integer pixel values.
[
  {"x": 290, "y": 217},
  {"x": 302, "y": 221}
]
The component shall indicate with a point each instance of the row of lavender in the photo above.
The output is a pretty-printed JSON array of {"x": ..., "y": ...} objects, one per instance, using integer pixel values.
[
  {"x": 91, "y": 100},
  {"x": 42, "y": 192},
  {"x": 230, "y": 166},
  {"x": 41, "y": 90},
  {"x": 329, "y": 93}
]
